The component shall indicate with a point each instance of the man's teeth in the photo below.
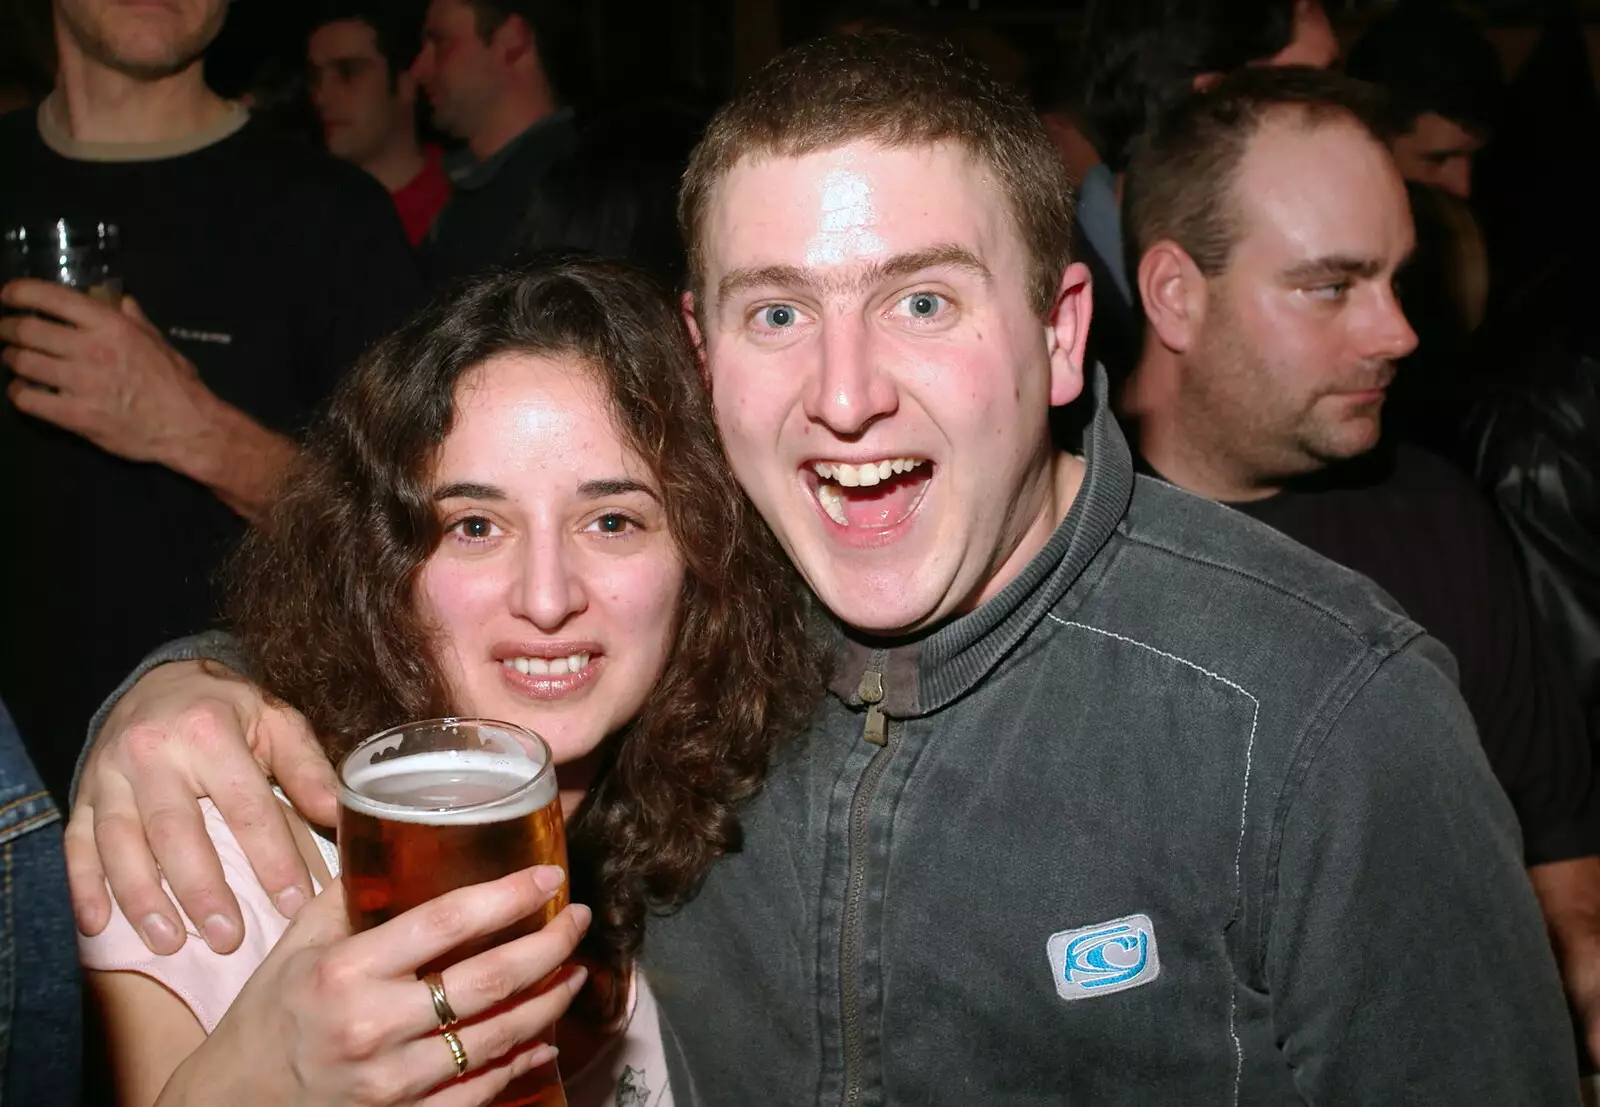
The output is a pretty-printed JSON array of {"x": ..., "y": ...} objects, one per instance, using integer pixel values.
[
  {"x": 547, "y": 666},
  {"x": 864, "y": 475}
]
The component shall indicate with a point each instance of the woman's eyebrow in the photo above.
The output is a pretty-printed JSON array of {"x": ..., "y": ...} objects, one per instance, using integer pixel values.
[
  {"x": 469, "y": 490},
  {"x": 615, "y": 486}
]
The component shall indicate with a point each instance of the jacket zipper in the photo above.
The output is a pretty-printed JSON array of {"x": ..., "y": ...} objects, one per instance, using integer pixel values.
[{"x": 875, "y": 730}]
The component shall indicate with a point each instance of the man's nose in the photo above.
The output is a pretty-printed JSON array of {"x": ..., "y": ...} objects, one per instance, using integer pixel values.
[
  {"x": 1456, "y": 177},
  {"x": 1390, "y": 335},
  {"x": 851, "y": 389},
  {"x": 422, "y": 65}
]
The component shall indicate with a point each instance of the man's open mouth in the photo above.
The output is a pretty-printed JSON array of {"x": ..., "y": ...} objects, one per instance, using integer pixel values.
[{"x": 870, "y": 495}]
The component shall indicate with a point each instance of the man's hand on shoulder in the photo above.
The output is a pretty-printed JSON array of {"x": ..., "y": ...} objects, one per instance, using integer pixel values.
[{"x": 185, "y": 730}]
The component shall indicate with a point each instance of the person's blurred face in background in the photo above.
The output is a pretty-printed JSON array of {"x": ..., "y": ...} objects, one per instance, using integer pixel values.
[
  {"x": 1445, "y": 91},
  {"x": 146, "y": 41},
  {"x": 1439, "y": 152},
  {"x": 462, "y": 74},
  {"x": 360, "y": 102}
]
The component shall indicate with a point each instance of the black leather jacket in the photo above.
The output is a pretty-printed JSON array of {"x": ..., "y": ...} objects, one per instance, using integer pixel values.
[{"x": 1536, "y": 450}]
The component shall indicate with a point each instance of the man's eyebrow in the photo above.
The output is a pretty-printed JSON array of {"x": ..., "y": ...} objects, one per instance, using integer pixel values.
[
  {"x": 469, "y": 490},
  {"x": 1327, "y": 268},
  {"x": 945, "y": 255}
]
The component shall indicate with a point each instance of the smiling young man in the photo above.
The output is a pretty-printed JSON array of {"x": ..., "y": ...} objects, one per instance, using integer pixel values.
[{"x": 1117, "y": 797}]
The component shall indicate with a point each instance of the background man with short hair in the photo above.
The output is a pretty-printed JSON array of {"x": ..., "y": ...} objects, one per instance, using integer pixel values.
[
  {"x": 495, "y": 73},
  {"x": 358, "y": 59},
  {"x": 1271, "y": 224}
]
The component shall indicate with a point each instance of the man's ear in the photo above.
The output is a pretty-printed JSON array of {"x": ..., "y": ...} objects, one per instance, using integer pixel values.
[
  {"x": 1173, "y": 291},
  {"x": 513, "y": 40},
  {"x": 1067, "y": 333},
  {"x": 686, "y": 305}
]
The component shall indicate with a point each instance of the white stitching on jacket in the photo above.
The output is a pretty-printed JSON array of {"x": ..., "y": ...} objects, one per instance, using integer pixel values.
[{"x": 1244, "y": 807}]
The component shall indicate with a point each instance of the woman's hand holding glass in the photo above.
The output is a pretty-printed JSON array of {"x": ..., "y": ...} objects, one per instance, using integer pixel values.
[{"x": 333, "y": 1017}]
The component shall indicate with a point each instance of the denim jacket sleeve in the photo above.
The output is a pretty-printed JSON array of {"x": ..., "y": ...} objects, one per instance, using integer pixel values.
[
  {"x": 40, "y": 1012},
  {"x": 214, "y": 645},
  {"x": 1401, "y": 921}
]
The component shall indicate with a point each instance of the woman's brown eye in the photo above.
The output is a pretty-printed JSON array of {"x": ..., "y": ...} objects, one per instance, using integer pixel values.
[{"x": 475, "y": 528}]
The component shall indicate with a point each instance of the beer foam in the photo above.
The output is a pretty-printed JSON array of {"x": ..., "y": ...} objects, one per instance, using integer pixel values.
[{"x": 448, "y": 788}]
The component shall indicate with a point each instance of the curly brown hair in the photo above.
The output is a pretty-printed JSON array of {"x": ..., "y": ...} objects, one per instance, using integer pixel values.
[{"x": 323, "y": 590}]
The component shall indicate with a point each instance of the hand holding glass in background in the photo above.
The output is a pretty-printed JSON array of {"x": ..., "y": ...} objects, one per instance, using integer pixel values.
[{"x": 80, "y": 253}]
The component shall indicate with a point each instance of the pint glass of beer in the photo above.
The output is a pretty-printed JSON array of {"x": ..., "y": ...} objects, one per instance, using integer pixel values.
[{"x": 429, "y": 807}]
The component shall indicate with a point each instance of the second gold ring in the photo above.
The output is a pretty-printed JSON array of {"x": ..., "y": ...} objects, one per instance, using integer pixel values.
[{"x": 457, "y": 1050}]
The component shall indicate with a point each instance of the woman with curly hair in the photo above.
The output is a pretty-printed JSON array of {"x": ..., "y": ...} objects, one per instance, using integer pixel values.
[{"x": 515, "y": 508}]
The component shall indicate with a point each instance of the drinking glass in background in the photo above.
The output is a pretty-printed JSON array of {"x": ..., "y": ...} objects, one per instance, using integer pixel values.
[
  {"x": 428, "y": 807},
  {"x": 85, "y": 254}
]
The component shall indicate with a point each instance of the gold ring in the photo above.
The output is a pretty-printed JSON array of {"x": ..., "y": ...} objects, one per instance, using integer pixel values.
[
  {"x": 441, "y": 1002},
  {"x": 457, "y": 1050}
]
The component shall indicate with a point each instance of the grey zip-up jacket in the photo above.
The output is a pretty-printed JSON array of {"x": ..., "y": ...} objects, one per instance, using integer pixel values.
[{"x": 1186, "y": 815}]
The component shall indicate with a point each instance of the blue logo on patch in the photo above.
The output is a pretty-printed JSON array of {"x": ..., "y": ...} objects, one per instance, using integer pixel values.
[{"x": 1104, "y": 958}]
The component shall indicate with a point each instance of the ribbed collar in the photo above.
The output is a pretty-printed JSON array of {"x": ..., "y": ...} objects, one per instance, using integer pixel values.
[
  {"x": 53, "y": 130},
  {"x": 926, "y": 674}
]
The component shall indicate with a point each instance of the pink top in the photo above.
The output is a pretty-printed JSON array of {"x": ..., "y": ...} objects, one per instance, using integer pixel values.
[{"x": 631, "y": 1072}]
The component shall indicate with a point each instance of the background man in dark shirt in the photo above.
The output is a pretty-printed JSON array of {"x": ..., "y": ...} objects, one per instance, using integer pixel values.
[
  {"x": 491, "y": 71},
  {"x": 358, "y": 61},
  {"x": 1273, "y": 328},
  {"x": 260, "y": 269}
]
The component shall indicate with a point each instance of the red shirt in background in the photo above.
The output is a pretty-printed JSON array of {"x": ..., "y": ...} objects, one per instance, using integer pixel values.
[{"x": 420, "y": 198}]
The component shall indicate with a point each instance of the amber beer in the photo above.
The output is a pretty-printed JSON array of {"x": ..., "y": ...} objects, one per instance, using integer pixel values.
[{"x": 429, "y": 807}]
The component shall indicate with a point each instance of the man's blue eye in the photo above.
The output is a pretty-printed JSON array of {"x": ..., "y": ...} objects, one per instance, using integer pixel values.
[
  {"x": 778, "y": 316},
  {"x": 923, "y": 305}
]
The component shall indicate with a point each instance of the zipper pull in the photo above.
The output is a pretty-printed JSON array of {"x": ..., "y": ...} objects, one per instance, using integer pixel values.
[{"x": 876, "y": 729}]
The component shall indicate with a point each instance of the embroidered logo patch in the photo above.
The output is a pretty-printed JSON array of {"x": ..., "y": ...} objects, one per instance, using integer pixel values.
[{"x": 1104, "y": 958}]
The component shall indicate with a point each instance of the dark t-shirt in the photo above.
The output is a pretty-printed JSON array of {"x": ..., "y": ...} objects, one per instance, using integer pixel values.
[
  {"x": 270, "y": 266},
  {"x": 492, "y": 198},
  {"x": 1421, "y": 531}
]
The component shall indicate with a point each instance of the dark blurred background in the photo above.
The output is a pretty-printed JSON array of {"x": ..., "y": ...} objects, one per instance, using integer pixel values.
[{"x": 695, "y": 50}]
